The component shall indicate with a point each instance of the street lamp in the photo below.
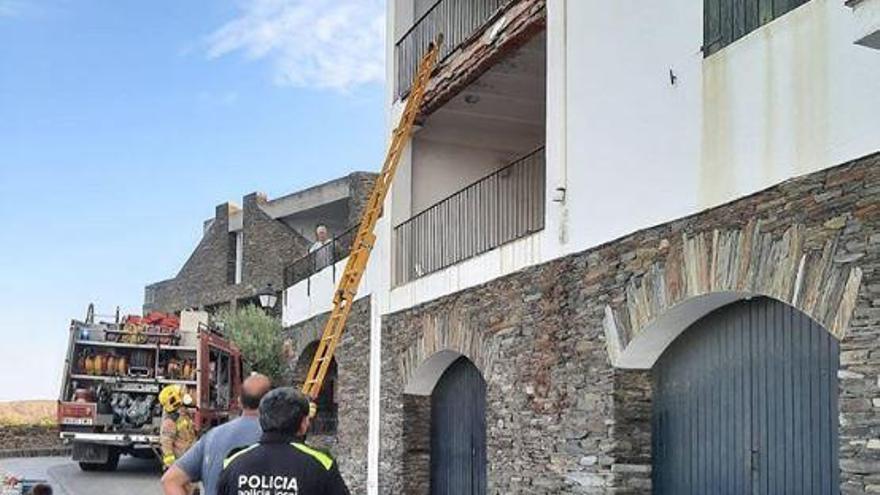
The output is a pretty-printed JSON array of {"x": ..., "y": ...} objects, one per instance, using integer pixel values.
[{"x": 267, "y": 297}]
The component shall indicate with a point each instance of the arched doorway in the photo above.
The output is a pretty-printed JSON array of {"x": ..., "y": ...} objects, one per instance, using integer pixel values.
[
  {"x": 458, "y": 431},
  {"x": 325, "y": 422},
  {"x": 745, "y": 401}
]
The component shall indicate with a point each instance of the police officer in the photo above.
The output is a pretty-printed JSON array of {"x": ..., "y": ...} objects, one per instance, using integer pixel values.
[
  {"x": 281, "y": 464},
  {"x": 178, "y": 431}
]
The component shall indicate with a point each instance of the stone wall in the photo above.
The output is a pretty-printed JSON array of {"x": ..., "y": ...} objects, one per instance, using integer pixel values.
[
  {"x": 561, "y": 418},
  {"x": 30, "y": 441},
  {"x": 360, "y": 187},
  {"x": 203, "y": 278},
  {"x": 269, "y": 245},
  {"x": 203, "y": 281},
  {"x": 349, "y": 445}
]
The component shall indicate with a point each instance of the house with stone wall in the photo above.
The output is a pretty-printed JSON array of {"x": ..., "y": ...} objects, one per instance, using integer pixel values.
[
  {"x": 633, "y": 247},
  {"x": 245, "y": 249}
]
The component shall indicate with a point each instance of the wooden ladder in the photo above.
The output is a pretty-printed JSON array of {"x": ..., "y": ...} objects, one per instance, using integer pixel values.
[{"x": 363, "y": 243}]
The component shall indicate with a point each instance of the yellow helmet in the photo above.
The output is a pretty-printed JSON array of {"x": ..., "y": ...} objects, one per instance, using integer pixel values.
[{"x": 171, "y": 398}]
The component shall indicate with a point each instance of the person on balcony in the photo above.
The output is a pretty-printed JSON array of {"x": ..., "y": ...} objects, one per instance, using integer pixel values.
[{"x": 323, "y": 257}]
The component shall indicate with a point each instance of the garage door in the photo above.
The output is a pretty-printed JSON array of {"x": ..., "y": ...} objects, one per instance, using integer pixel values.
[
  {"x": 458, "y": 431},
  {"x": 746, "y": 403}
]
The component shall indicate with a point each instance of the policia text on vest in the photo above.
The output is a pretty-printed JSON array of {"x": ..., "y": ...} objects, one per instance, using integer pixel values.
[
  {"x": 277, "y": 466},
  {"x": 280, "y": 464}
]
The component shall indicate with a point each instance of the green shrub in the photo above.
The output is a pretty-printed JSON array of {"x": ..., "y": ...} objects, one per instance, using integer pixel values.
[{"x": 258, "y": 335}]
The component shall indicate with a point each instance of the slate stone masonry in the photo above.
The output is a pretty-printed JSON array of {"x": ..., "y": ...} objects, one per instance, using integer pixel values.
[
  {"x": 203, "y": 281},
  {"x": 349, "y": 445},
  {"x": 360, "y": 187},
  {"x": 269, "y": 245},
  {"x": 561, "y": 418}
]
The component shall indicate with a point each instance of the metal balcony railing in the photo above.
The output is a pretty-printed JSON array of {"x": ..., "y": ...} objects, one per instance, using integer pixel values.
[
  {"x": 337, "y": 249},
  {"x": 457, "y": 20},
  {"x": 497, "y": 209}
]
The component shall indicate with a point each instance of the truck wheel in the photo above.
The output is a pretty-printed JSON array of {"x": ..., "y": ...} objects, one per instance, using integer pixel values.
[
  {"x": 112, "y": 461},
  {"x": 145, "y": 454},
  {"x": 111, "y": 464},
  {"x": 89, "y": 466}
]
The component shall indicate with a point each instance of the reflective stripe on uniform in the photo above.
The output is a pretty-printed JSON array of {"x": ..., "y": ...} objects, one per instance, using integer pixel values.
[
  {"x": 321, "y": 457},
  {"x": 228, "y": 460}
]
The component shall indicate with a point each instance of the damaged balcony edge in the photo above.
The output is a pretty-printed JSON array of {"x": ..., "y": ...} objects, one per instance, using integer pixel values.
[{"x": 522, "y": 21}]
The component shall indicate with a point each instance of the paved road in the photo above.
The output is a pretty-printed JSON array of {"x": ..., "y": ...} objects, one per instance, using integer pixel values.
[{"x": 134, "y": 476}]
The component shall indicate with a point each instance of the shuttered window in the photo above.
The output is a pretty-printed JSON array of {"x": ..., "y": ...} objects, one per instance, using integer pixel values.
[{"x": 725, "y": 21}]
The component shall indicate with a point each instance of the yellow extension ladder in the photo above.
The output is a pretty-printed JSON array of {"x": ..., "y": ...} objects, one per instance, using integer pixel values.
[{"x": 366, "y": 238}]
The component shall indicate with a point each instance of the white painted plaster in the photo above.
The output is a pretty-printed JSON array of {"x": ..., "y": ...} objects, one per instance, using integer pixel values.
[
  {"x": 632, "y": 138},
  {"x": 297, "y": 203},
  {"x": 379, "y": 271},
  {"x": 426, "y": 376},
  {"x": 307, "y": 199},
  {"x": 504, "y": 260},
  {"x": 788, "y": 99},
  {"x": 497, "y": 119},
  {"x": 646, "y": 347},
  {"x": 374, "y": 426},
  {"x": 441, "y": 169},
  {"x": 239, "y": 255},
  {"x": 314, "y": 296},
  {"x": 556, "y": 154}
]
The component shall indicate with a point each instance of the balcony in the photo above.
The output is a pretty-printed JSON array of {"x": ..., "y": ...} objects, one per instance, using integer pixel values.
[
  {"x": 328, "y": 255},
  {"x": 501, "y": 207},
  {"x": 310, "y": 282},
  {"x": 457, "y": 20}
]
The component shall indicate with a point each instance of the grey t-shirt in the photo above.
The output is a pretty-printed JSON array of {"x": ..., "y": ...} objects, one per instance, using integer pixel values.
[{"x": 204, "y": 461}]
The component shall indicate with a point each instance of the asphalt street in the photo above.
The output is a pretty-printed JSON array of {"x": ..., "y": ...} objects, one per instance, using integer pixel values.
[{"x": 134, "y": 476}]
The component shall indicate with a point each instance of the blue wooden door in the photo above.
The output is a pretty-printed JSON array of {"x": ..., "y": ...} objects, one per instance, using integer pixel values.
[
  {"x": 458, "y": 431},
  {"x": 745, "y": 402}
]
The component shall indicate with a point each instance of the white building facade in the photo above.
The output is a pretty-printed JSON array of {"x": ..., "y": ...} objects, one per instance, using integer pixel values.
[{"x": 599, "y": 195}]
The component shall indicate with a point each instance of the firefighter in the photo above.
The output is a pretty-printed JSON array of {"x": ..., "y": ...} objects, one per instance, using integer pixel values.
[
  {"x": 178, "y": 431},
  {"x": 281, "y": 463},
  {"x": 204, "y": 461}
]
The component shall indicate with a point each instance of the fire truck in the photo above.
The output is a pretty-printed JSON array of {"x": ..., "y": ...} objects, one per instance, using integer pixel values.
[{"x": 114, "y": 370}]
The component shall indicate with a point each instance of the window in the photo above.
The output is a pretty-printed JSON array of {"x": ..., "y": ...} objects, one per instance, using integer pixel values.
[
  {"x": 239, "y": 254},
  {"x": 234, "y": 258},
  {"x": 725, "y": 21}
]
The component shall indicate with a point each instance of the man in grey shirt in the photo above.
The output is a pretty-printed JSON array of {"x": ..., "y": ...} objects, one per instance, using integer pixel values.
[{"x": 204, "y": 460}]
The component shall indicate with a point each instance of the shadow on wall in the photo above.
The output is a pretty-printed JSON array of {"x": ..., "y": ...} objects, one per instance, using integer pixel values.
[{"x": 325, "y": 423}]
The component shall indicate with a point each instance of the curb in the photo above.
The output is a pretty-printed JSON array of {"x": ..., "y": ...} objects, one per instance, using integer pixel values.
[{"x": 25, "y": 453}]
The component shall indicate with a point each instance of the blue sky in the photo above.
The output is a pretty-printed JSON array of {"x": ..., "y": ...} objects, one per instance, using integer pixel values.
[{"x": 123, "y": 123}]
